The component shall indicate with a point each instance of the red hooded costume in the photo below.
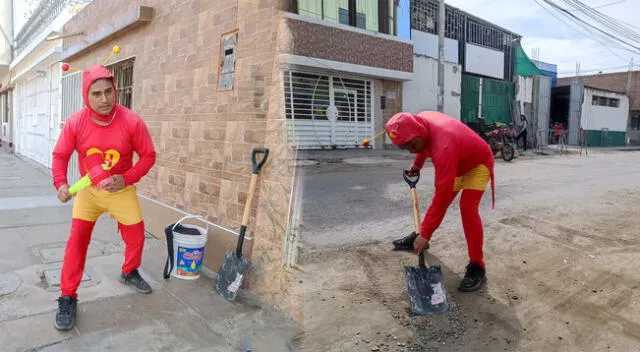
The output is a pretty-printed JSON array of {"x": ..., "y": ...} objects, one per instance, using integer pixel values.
[
  {"x": 456, "y": 152},
  {"x": 124, "y": 134}
]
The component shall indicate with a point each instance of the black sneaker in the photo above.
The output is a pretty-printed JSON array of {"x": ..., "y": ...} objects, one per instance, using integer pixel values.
[
  {"x": 66, "y": 316},
  {"x": 473, "y": 278},
  {"x": 134, "y": 279},
  {"x": 405, "y": 243}
]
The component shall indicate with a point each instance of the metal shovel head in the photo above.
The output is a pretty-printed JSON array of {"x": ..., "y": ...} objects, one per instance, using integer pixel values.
[
  {"x": 427, "y": 291},
  {"x": 231, "y": 275}
]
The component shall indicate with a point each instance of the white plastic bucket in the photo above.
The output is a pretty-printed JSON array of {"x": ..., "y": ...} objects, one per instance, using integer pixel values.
[{"x": 188, "y": 251}]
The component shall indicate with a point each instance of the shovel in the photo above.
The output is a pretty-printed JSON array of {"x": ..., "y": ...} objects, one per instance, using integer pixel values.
[
  {"x": 425, "y": 285},
  {"x": 234, "y": 265}
]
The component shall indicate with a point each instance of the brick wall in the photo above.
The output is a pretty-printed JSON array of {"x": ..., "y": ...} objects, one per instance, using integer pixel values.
[
  {"x": 392, "y": 106},
  {"x": 612, "y": 81},
  {"x": 330, "y": 43},
  {"x": 204, "y": 137}
]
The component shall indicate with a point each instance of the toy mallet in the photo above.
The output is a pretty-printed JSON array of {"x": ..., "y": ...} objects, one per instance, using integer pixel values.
[{"x": 97, "y": 174}]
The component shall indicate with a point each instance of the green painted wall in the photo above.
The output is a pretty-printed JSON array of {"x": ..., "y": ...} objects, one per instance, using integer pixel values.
[
  {"x": 616, "y": 139},
  {"x": 469, "y": 98},
  {"x": 496, "y": 99}
]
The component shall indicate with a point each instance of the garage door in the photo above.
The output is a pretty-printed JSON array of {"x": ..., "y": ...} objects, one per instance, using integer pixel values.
[
  {"x": 494, "y": 96},
  {"x": 326, "y": 111},
  {"x": 71, "y": 102}
]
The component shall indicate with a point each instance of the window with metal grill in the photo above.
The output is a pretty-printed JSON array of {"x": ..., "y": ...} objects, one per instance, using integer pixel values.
[{"x": 123, "y": 76}]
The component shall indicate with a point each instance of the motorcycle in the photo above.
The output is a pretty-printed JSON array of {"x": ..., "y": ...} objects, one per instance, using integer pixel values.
[{"x": 501, "y": 138}]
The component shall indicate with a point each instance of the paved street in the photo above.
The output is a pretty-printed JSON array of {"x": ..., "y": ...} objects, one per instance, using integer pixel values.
[
  {"x": 178, "y": 316},
  {"x": 363, "y": 198},
  {"x": 561, "y": 247}
]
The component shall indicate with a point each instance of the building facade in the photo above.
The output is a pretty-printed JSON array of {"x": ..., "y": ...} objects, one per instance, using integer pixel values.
[
  {"x": 548, "y": 70},
  {"x": 627, "y": 82},
  {"x": 343, "y": 72},
  {"x": 32, "y": 122},
  {"x": 6, "y": 56},
  {"x": 590, "y": 115},
  {"x": 478, "y": 53}
]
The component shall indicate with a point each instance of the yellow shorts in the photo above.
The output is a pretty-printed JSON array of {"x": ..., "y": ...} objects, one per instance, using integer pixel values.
[
  {"x": 123, "y": 205},
  {"x": 476, "y": 179}
]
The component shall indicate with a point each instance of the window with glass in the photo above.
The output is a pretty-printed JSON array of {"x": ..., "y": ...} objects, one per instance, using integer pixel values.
[{"x": 356, "y": 13}]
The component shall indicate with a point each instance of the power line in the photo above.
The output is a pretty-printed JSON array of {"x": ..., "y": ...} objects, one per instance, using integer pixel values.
[
  {"x": 604, "y": 20},
  {"x": 598, "y": 70},
  {"x": 605, "y": 5},
  {"x": 584, "y": 23},
  {"x": 589, "y": 32}
]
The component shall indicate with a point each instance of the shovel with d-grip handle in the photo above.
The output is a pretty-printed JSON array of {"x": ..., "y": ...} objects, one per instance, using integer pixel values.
[
  {"x": 425, "y": 285},
  {"x": 234, "y": 266}
]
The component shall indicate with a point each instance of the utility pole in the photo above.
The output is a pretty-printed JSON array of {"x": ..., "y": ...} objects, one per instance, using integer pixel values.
[
  {"x": 629, "y": 76},
  {"x": 441, "y": 19}
]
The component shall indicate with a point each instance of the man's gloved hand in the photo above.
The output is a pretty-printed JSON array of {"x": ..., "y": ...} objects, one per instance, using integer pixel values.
[
  {"x": 420, "y": 244},
  {"x": 63, "y": 194}
]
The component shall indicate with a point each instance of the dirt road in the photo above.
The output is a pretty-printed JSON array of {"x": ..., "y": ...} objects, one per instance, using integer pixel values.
[{"x": 562, "y": 250}]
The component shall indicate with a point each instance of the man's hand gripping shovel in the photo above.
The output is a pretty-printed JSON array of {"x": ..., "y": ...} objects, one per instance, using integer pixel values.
[{"x": 425, "y": 285}]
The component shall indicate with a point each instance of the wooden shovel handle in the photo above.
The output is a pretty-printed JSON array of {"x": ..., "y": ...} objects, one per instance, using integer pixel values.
[{"x": 416, "y": 210}]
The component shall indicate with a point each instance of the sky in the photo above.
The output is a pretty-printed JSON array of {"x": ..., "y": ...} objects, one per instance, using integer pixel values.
[{"x": 556, "y": 41}]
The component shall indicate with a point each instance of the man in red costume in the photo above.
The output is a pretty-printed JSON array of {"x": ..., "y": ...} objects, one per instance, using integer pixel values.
[
  {"x": 462, "y": 161},
  {"x": 104, "y": 127}
]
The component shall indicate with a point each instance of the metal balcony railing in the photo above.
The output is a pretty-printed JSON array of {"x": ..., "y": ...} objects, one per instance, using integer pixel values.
[{"x": 44, "y": 14}]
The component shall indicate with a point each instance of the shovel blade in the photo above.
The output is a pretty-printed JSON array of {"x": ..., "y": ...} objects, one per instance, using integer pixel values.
[
  {"x": 427, "y": 291},
  {"x": 231, "y": 275}
]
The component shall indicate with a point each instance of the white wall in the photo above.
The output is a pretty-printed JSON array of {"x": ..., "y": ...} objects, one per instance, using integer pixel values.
[
  {"x": 6, "y": 22},
  {"x": 484, "y": 61},
  {"x": 427, "y": 44},
  {"x": 421, "y": 93},
  {"x": 595, "y": 117},
  {"x": 524, "y": 91}
]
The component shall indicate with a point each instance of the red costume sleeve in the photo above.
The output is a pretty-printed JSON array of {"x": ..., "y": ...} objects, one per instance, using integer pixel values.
[
  {"x": 62, "y": 153},
  {"x": 418, "y": 163},
  {"x": 445, "y": 163},
  {"x": 143, "y": 146}
]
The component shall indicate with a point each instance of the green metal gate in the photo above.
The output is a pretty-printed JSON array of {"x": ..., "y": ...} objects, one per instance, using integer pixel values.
[
  {"x": 469, "y": 98},
  {"x": 497, "y": 97}
]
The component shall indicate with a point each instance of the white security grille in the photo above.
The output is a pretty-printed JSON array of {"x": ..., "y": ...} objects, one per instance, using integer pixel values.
[
  {"x": 326, "y": 111},
  {"x": 4, "y": 115},
  {"x": 71, "y": 102}
]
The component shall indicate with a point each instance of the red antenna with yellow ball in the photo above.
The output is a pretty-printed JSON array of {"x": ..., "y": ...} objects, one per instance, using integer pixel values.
[
  {"x": 115, "y": 50},
  {"x": 66, "y": 67},
  {"x": 367, "y": 142}
]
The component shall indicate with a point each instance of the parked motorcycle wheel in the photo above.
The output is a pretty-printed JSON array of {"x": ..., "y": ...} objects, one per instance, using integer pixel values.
[{"x": 508, "y": 152}]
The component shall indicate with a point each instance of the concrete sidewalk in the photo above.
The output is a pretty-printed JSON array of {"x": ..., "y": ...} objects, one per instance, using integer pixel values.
[{"x": 179, "y": 315}]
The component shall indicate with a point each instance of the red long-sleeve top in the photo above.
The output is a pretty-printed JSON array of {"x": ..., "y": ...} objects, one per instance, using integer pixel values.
[
  {"x": 454, "y": 149},
  {"x": 127, "y": 133}
]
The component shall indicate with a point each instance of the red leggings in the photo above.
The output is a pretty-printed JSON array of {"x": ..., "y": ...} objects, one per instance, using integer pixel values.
[
  {"x": 75, "y": 254},
  {"x": 472, "y": 223}
]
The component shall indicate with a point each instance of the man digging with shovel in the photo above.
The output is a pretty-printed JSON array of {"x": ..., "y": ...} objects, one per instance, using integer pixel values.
[{"x": 462, "y": 161}]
